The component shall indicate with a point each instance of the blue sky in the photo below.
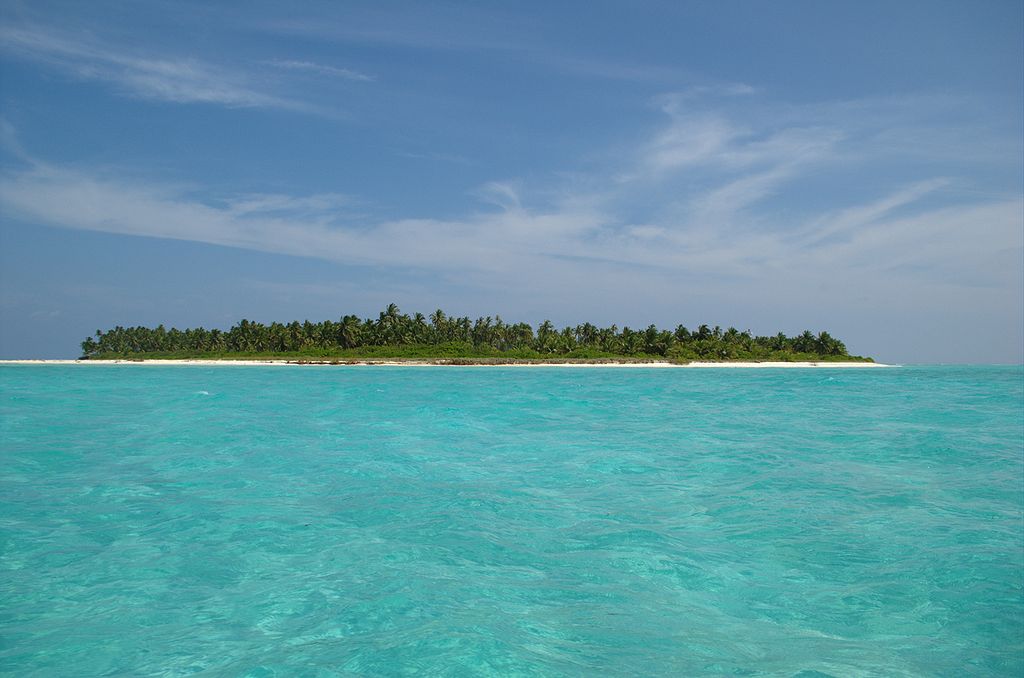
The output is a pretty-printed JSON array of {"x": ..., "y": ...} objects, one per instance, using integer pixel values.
[{"x": 855, "y": 167}]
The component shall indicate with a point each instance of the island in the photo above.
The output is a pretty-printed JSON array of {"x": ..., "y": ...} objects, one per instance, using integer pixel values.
[{"x": 397, "y": 338}]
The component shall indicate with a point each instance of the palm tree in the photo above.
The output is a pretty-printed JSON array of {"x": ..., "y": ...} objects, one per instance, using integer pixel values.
[
  {"x": 349, "y": 333},
  {"x": 393, "y": 328},
  {"x": 544, "y": 334}
]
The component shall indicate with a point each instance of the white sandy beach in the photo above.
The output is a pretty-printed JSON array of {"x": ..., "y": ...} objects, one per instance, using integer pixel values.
[{"x": 421, "y": 363}]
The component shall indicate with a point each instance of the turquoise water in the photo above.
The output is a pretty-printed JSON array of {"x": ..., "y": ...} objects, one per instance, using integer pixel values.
[{"x": 500, "y": 521}]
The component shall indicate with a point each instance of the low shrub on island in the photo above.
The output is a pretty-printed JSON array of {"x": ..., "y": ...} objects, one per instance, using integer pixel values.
[{"x": 394, "y": 335}]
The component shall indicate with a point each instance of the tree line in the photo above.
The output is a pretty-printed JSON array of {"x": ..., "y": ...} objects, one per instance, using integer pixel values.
[{"x": 441, "y": 335}]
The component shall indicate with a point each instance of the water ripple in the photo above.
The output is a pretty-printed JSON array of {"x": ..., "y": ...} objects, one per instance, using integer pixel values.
[{"x": 382, "y": 521}]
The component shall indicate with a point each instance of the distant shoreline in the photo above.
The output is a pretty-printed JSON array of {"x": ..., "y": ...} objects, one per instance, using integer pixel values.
[{"x": 445, "y": 363}]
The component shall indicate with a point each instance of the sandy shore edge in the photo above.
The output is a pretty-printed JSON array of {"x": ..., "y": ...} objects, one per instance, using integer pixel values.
[{"x": 423, "y": 363}]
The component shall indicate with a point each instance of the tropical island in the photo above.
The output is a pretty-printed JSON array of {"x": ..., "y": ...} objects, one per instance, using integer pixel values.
[{"x": 443, "y": 339}]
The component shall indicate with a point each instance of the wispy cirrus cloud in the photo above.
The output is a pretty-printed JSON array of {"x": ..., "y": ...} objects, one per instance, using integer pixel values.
[
  {"x": 848, "y": 222},
  {"x": 482, "y": 30},
  {"x": 320, "y": 69},
  {"x": 952, "y": 243},
  {"x": 276, "y": 203},
  {"x": 697, "y": 136},
  {"x": 178, "y": 80}
]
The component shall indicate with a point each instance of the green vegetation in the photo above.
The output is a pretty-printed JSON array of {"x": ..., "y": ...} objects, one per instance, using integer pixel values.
[{"x": 396, "y": 336}]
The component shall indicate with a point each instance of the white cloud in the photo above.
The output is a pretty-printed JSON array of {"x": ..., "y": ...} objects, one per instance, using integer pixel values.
[
  {"x": 954, "y": 241},
  {"x": 475, "y": 29},
  {"x": 275, "y": 203},
  {"x": 501, "y": 194},
  {"x": 700, "y": 139},
  {"x": 161, "y": 79},
  {"x": 847, "y": 222},
  {"x": 9, "y": 139},
  {"x": 321, "y": 69},
  {"x": 690, "y": 141}
]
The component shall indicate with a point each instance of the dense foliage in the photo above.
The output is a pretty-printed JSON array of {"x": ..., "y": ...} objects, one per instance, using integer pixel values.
[{"x": 394, "y": 334}]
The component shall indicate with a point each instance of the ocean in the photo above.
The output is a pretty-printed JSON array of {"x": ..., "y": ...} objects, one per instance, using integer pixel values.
[{"x": 370, "y": 521}]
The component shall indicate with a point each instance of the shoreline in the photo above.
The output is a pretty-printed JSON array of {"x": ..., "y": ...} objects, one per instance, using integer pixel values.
[{"x": 442, "y": 363}]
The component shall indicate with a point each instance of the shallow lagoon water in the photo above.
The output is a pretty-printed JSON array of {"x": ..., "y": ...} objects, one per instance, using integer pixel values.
[{"x": 509, "y": 521}]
